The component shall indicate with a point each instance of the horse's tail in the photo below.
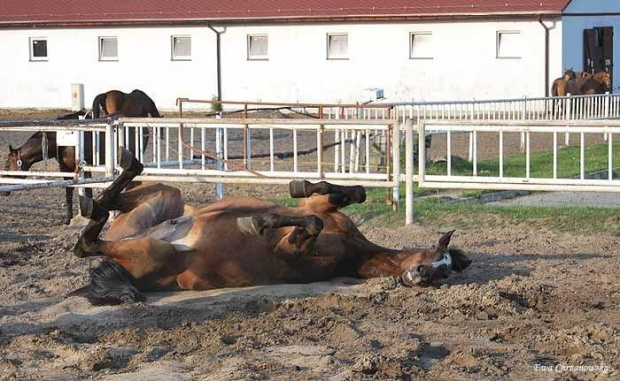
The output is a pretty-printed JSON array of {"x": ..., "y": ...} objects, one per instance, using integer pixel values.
[
  {"x": 150, "y": 103},
  {"x": 99, "y": 102}
]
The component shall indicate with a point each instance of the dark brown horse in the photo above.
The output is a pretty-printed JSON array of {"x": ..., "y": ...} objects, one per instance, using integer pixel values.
[
  {"x": 115, "y": 102},
  {"x": 159, "y": 243},
  {"x": 42, "y": 146}
]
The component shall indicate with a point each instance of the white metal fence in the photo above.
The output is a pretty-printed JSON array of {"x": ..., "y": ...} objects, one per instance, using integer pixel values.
[
  {"x": 207, "y": 150},
  {"x": 499, "y": 180},
  {"x": 576, "y": 107}
]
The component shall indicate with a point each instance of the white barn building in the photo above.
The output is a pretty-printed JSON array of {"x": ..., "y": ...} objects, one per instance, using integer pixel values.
[{"x": 288, "y": 51}]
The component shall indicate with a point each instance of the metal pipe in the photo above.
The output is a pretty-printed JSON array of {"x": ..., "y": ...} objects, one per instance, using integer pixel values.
[
  {"x": 218, "y": 48},
  {"x": 409, "y": 141}
]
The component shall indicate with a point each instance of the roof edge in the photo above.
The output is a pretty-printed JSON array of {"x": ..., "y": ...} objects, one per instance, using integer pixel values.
[{"x": 271, "y": 20}]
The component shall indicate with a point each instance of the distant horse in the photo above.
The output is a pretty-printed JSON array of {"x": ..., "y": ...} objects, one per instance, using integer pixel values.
[
  {"x": 42, "y": 145},
  {"x": 159, "y": 243},
  {"x": 597, "y": 83},
  {"x": 566, "y": 84},
  {"x": 582, "y": 84}
]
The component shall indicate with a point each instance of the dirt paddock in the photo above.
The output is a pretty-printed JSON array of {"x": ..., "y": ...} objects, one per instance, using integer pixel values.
[{"x": 533, "y": 304}]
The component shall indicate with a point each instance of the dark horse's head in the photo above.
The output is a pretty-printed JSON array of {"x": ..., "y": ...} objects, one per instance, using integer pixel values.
[{"x": 569, "y": 75}]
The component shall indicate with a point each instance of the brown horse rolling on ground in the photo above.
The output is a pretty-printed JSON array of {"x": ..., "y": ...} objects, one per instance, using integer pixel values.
[{"x": 159, "y": 243}]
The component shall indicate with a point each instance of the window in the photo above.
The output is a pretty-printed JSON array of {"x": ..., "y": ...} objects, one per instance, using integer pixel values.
[
  {"x": 509, "y": 44},
  {"x": 38, "y": 49},
  {"x": 258, "y": 47},
  {"x": 337, "y": 46},
  {"x": 181, "y": 48},
  {"x": 108, "y": 49},
  {"x": 420, "y": 45}
]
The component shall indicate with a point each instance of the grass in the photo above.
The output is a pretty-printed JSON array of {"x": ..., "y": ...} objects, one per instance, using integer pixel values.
[{"x": 541, "y": 164}]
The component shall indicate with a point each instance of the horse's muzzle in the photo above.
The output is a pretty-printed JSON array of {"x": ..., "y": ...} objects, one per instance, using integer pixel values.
[{"x": 416, "y": 276}]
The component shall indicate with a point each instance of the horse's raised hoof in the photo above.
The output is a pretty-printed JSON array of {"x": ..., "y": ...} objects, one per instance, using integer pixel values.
[
  {"x": 300, "y": 188},
  {"x": 128, "y": 162},
  {"x": 92, "y": 210}
]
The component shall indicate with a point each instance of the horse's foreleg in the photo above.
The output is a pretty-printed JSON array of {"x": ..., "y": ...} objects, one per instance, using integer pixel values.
[{"x": 298, "y": 241}]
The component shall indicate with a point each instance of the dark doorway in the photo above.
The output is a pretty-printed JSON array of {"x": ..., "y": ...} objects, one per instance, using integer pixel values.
[{"x": 598, "y": 51}]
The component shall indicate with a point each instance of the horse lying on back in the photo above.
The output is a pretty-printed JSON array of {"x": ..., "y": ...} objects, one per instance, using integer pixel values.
[{"x": 159, "y": 243}]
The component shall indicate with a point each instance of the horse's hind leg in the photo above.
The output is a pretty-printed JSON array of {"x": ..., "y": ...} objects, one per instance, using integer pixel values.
[
  {"x": 132, "y": 168},
  {"x": 89, "y": 240},
  {"x": 346, "y": 194},
  {"x": 297, "y": 241}
]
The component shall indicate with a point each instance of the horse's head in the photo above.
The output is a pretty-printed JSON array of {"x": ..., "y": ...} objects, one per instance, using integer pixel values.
[
  {"x": 569, "y": 75},
  {"x": 423, "y": 267},
  {"x": 13, "y": 163},
  {"x": 603, "y": 77}
]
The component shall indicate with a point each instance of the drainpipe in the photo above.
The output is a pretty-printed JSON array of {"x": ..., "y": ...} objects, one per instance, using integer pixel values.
[
  {"x": 219, "y": 62},
  {"x": 546, "y": 56}
]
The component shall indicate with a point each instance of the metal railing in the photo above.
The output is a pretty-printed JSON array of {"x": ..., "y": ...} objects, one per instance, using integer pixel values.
[{"x": 501, "y": 181}]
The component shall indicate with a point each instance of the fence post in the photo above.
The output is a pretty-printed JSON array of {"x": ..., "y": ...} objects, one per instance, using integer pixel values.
[
  {"x": 409, "y": 171},
  {"x": 567, "y": 117},
  {"x": 523, "y": 117},
  {"x": 396, "y": 165},
  {"x": 606, "y": 110},
  {"x": 109, "y": 150}
]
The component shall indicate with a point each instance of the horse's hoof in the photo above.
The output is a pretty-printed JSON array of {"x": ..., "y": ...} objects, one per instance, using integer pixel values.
[
  {"x": 5, "y": 194},
  {"x": 92, "y": 210},
  {"x": 125, "y": 158},
  {"x": 300, "y": 188},
  {"x": 66, "y": 221}
]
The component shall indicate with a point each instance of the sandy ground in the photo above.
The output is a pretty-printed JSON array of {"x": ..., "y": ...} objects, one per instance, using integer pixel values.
[{"x": 533, "y": 303}]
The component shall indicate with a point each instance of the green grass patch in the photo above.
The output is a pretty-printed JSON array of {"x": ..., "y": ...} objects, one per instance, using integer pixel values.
[{"x": 541, "y": 163}]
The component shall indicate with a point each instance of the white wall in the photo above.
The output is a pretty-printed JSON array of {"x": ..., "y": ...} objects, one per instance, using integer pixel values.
[
  {"x": 73, "y": 57},
  {"x": 464, "y": 65}
]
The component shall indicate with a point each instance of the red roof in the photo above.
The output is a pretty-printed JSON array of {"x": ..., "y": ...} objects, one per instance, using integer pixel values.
[{"x": 75, "y": 11}]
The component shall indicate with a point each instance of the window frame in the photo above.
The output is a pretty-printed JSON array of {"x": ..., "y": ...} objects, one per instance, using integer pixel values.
[
  {"x": 248, "y": 45},
  {"x": 327, "y": 45},
  {"x": 100, "y": 48},
  {"x": 498, "y": 35},
  {"x": 411, "y": 39},
  {"x": 173, "y": 56},
  {"x": 31, "y": 41}
]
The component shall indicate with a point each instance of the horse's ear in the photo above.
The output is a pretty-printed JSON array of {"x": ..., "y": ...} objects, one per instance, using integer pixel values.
[
  {"x": 444, "y": 241},
  {"x": 11, "y": 149}
]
